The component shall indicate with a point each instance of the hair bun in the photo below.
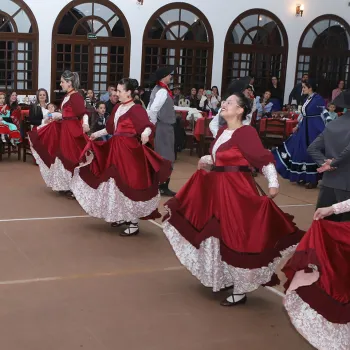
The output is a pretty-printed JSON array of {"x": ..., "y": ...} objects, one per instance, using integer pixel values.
[{"x": 134, "y": 83}]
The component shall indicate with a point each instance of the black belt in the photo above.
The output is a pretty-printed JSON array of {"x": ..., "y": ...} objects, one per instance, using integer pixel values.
[
  {"x": 70, "y": 118},
  {"x": 125, "y": 134},
  {"x": 233, "y": 168}
]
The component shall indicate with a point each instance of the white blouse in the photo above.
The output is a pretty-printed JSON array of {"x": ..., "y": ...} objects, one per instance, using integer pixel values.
[{"x": 269, "y": 171}]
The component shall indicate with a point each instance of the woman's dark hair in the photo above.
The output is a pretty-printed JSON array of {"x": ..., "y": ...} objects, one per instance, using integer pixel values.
[
  {"x": 129, "y": 84},
  {"x": 311, "y": 85},
  {"x": 244, "y": 103},
  {"x": 37, "y": 95},
  {"x": 14, "y": 104},
  {"x": 216, "y": 89},
  {"x": 98, "y": 104}
]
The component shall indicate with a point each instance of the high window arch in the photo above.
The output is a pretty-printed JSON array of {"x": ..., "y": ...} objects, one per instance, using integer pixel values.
[
  {"x": 179, "y": 34},
  {"x": 324, "y": 53},
  {"x": 256, "y": 44},
  {"x": 18, "y": 48},
  {"x": 93, "y": 39}
]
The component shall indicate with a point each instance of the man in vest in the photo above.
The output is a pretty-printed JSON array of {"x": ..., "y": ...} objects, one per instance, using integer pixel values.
[{"x": 161, "y": 113}]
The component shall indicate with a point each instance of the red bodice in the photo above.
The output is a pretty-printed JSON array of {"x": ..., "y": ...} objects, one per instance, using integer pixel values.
[
  {"x": 134, "y": 121},
  {"x": 74, "y": 107},
  {"x": 231, "y": 157}
]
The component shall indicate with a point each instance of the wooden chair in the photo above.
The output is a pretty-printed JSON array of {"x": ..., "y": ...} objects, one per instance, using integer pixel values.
[
  {"x": 205, "y": 140},
  {"x": 25, "y": 128},
  {"x": 274, "y": 134},
  {"x": 8, "y": 148}
]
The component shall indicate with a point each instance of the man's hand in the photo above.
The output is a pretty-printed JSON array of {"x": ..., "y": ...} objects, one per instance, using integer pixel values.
[{"x": 326, "y": 166}]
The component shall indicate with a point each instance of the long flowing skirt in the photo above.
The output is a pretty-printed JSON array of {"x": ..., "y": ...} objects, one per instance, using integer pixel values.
[
  {"x": 318, "y": 296},
  {"x": 120, "y": 181},
  {"x": 57, "y": 148},
  {"x": 226, "y": 234},
  {"x": 292, "y": 160}
]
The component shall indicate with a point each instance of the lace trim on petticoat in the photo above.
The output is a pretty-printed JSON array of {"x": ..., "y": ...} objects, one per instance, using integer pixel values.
[
  {"x": 319, "y": 332},
  {"x": 205, "y": 263},
  {"x": 56, "y": 177},
  {"x": 342, "y": 207},
  {"x": 108, "y": 202}
]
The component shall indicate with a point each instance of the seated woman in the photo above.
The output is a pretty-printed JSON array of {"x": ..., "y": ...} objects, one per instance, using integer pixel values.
[
  {"x": 263, "y": 105},
  {"x": 318, "y": 284},
  {"x": 194, "y": 102},
  {"x": 219, "y": 226},
  {"x": 292, "y": 160},
  {"x": 39, "y": 111},
  {"x": 119, "y": 183},
  {"x": 8, "y": 131}
]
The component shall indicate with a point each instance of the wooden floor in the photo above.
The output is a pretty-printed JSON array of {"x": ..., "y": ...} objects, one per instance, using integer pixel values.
[{"x": 68, "y": 281}]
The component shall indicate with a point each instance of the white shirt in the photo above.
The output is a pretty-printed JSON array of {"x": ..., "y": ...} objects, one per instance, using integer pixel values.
[{"x": 158, "y": 102}]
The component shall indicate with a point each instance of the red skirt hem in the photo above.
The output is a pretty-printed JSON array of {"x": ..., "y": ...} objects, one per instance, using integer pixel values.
[{"x": 234, "y": 258}]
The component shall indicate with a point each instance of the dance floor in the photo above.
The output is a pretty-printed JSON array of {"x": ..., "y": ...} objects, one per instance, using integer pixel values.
[{"x": 68, "y": 281}]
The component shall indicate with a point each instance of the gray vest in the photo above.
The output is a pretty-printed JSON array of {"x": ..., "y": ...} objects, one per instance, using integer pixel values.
[{"x": 167, "y": 113}]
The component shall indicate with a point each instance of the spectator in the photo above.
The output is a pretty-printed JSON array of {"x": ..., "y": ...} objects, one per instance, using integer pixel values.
[
  {"x": 177, "y": 95},
  {"x": 105, "y": 97},
  {"x": 194, "y": 102},
  {"x": 263, "y": 105},
  {"x": 276, "y": 91},
  {"x": 39, "y": 111},
  {"x": 215, "y": 98},
  {"x": 90, "y": 100},
  {"x": 113, "y": 100},
  {"x": 330, "y": 114},
  {"x": 338, "y": 90},
  {"x": 200, "y": 93},
  {"x": 297, "y": 92},
  {"x": 100, "y": 119},
  {"x": 251, "y": 83}
]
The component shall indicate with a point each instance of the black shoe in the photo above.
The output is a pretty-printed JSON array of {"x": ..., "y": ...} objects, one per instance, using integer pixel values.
[
  {"x": 120, "y": 223},
  {"x": 235, "y": 303},
  {"x": 167, "y": 192},
  {"x": 128, "y": 231}
]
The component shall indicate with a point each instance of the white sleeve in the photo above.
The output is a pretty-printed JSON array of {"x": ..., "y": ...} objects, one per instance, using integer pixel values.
[
  {"x": 56, "y": 115},
  {"x": 214, "y": 124},
  {"x": 201, "y": 103},
  {"x": 254, "y": 106},
  {"x": 147, "y": 132},
  {"x": 270, "y": 174},
  {"x": 207, "y": 159},
  {"x": 157, "y": 104},
  {"x": 100, "y": 133},
  {"x": 86, "y": 120},
  {"x": 342, "y": 207}
]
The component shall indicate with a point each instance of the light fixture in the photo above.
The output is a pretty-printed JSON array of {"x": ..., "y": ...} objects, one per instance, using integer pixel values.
[
  {"x": 299, "y": 10},
  {"x": 139, "y": 2}
]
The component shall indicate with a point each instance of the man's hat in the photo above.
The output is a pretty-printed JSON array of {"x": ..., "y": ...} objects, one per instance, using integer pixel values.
[
  {"x": 343, "y": 100},
  {"x": 238, "y": 85},
  {"x": 161, "y": 73}
]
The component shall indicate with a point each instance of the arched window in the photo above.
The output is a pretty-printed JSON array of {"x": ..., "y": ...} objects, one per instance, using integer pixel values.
[
  {"x": 18, "y": 48},
  {"x": 256, "y": 44},
  {"x": 324, "y": 53},
  {"x": 179, "y": 34},
  {"x": 93, "y": 39}
]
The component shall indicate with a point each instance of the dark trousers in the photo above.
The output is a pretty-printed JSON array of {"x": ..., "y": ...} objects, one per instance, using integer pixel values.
[{"x": 329, "y": 196}]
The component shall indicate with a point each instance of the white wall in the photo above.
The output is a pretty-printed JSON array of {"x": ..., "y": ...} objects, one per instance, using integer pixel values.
[{"x": 220, "y": 19}]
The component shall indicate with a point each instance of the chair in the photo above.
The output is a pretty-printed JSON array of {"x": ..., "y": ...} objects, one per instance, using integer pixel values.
[
  {"x": 25, "y": 128},
  {"x": 205, "y": 140},
  {"x": 190, "y": 141},
  {"x": 274, "y": 134}
]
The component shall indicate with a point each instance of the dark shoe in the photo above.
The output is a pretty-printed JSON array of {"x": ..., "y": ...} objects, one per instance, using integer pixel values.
[
  {"x": 166, "y": 192},
  {"x": 70, "y": 195},
  {"x": 301, "y": 182},
  {"x": 120, "y": 223},
  {"x": 229, "y": 303},
  {"x": 310, "y": 186},
  {"x": 130, "y": 231}
]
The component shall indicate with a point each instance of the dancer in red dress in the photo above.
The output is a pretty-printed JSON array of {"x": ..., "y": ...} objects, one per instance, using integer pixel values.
[
  {"x": 220, "y": 228},
  {"x": 120, "y": 181},
  {"x": 318, "y": 295},
  {"x": 58, "y": 145}
]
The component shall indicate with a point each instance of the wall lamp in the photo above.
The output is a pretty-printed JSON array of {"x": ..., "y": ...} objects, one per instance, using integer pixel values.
[
  {"x": 299, "y": 10},
  {"x": 139, "y": 2}
]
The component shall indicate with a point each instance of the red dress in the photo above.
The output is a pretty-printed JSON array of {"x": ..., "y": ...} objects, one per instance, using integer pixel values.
[
  {"x": 318, "y": 296},
  {"x": 10, "y": 129},
  {"x": 121, "y": 181},
  {"x": 58, "y": 145},
  {"x": 222, "y": 229}
]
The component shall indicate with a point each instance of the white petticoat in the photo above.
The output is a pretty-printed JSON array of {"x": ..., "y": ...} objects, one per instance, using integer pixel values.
[
  {"x": 108, "y": 202},
  {"x": 205, "y": 263},
  {"x": 56, "y": 177},
  {"x": 318, "y": 331}
]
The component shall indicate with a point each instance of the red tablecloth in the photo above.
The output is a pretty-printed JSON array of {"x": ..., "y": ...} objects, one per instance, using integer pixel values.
[
  {"x": 199, "y": 129},
  {"x": 24, "y": 113},
  {"x": 290, "y": 125}
]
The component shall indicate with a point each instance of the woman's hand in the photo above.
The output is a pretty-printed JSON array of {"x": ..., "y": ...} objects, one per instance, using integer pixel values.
[
  {"x": 323, "y": 212},
  {"x": 86, "y": 128},
  {"x": 3, "y": 109},
  {"x": 295, "y": 129},
  {"x": 204, "y": 166},
  {"x": 273, "y": 192},
  {"x": 144, "y": 139},
  {"x": 93, "y": 137},
  {"x": 56, "y": 117}
]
